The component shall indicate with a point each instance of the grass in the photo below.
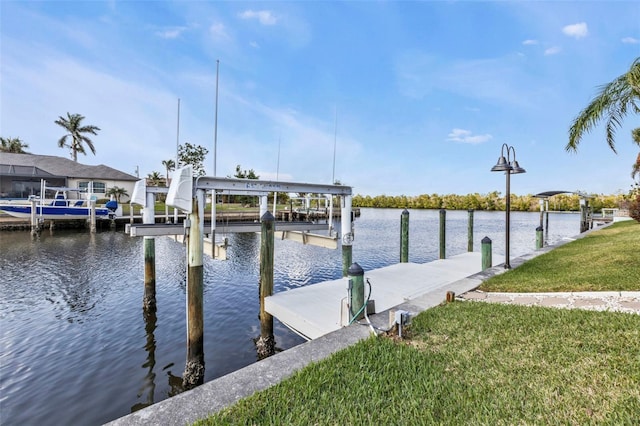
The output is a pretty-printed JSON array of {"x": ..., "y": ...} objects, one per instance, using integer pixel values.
[
  {"x": 606, "y": 260},
  {"x": 468, "y": 363},
  {"x": 480, "y": 363}
]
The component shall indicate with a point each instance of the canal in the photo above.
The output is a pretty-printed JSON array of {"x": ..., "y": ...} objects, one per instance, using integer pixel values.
[{"x": 77, "y": 348}]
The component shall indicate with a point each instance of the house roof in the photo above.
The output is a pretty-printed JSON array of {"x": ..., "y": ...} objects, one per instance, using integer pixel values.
[{"x": 16, "y": 164}]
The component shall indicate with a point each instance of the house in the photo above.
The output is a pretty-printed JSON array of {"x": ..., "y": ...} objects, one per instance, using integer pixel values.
[{"x": 20, "y": 176}]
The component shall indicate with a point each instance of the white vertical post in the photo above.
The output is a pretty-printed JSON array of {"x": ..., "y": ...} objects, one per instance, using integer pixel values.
[
  {"x": 148, "y": 212},
  {"x": 264, "y": 205},
  {"x": 213, "y": 221},
  {"x": 330, "y": 214}
]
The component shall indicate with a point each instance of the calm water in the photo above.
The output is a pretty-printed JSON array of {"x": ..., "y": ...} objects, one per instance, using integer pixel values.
[{"x": 77, "y": 348}]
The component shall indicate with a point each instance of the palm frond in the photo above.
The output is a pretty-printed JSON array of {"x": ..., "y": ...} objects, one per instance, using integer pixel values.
[{"x": 614, "y": 100}]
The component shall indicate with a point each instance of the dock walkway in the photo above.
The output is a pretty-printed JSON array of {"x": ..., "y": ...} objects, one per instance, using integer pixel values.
[{"x": 316, "y": 310}]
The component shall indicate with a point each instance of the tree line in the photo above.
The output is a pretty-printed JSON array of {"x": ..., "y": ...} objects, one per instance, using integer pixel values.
[{"x": 490, "y": 202}]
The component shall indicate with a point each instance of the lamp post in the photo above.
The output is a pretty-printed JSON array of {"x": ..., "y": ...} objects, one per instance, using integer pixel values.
[{"x": 509, "y": 166}]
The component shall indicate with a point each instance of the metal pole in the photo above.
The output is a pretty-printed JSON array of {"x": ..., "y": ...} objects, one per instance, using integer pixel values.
[
  {"x": 215, "y": 125},
  {"x": 177, "y": 165},
  {"x": 215, "y": 161},
  {"x": 266, "y": 344},
  {"x": 443, "y": 226},
  {"x": 194, "y": 368},
  {"x": 470, "y": 231},
  {"x": 507, "y": 265},
  {"x": 404, "y": 236}
]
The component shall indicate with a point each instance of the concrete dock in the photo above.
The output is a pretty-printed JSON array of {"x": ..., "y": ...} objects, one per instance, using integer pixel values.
[{"x": 315, "y": 310}]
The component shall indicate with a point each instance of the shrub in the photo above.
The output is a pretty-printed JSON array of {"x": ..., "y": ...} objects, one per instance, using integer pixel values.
[{"x": 634, "y": 208}]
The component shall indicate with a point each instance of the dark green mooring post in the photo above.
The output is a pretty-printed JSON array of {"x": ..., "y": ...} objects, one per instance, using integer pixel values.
[
  {"x": 404, "y": 236},
  {"x": 470, "y": 231},
  {"x": 356, "y": 292},
  {"x": 486, "y": 253},
  {"x": 266, "y": 345},
  {"x": 539, "y": 238},
  {"x": 194, "y": 369},
  {"x": 443, "y": 232}
]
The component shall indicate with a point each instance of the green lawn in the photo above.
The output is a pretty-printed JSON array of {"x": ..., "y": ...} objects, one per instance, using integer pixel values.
[
  {"x": 608, "y": 259},
  {"x": 468, "y": 363},
  {"x": 486, "y": 364}
]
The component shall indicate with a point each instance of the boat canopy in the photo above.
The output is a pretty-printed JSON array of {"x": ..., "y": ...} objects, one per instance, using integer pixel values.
[{"x": 548, "y": 194}]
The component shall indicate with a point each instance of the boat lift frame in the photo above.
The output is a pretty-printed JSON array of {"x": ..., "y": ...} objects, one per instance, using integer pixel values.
[{"x": 188, "y": 194}]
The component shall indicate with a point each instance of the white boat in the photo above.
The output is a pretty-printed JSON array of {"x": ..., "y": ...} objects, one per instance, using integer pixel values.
[{"x": 60, "y": 207}]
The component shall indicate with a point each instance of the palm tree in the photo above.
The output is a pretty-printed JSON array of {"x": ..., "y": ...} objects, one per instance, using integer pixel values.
[
  {"x": 635, "y": 134},
  {"x": 615, "y": 100},
  {"x": 117, "y": 192},
  {"x": 73, "y": 125},
  {"x": 14, "y": 145},
  {"x": 154, "y": 178},
  {"x": 169, "y": 165}
]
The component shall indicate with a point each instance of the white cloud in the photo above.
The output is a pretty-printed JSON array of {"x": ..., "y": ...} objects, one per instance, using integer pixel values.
[
  {"x": 219, "y": 31},
  {"x": 466, "y": 136},
  {"x": 265, "y": 17},
  {"x": 171, "y": 33},
  {"x": 552, "y": 50},
  {"x": 254, "y": 44},
  {"x": 577, "y": 31},
  {"x": 630, "y": 40},
  {"x": 530, "y": 42}
]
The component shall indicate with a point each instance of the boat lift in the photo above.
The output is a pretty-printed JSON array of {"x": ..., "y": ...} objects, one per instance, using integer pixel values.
[{"x": 186, "y": 192}]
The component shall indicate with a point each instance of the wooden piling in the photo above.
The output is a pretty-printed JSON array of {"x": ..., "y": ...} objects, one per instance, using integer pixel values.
[
  {"x": 266, "y": 344},
  {"x": 404, "y": 236},
  {"x": 470, "y": 231},
  {"x": 486, "y": 253},
  {"x": 194, "y": 368},
  {"x": 443, "y": 230},
  {"x": 149, "y": 298},
  {"x": 148, "y": 217}
]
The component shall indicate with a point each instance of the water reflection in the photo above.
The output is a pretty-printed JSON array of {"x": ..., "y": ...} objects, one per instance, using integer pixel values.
[{"x": 148, "y": 384}]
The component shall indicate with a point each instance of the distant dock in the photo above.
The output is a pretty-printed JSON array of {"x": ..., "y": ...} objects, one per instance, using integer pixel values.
[{"x": 315, "y": 310}]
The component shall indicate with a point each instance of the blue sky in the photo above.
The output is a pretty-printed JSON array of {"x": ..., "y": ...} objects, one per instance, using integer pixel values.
[{"x": 424, "y": 94}]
